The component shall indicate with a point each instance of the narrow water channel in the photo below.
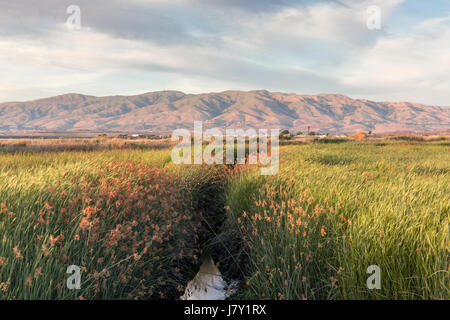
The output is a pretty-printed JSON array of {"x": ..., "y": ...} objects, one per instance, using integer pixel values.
[{"x": 208, "y": 284}]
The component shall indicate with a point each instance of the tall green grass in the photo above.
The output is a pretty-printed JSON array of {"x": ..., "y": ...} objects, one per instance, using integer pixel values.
[
  {"x": 45, "y": 199},
  {"x": 360, "y": 204},
  {"x": 134, "y": 222},
  {"x": 308, "y": 232}
]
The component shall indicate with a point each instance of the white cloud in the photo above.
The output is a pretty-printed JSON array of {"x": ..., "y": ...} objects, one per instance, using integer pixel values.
[
  {"x": 414, "y": 66},
  {"x": 320, "y": 47}
]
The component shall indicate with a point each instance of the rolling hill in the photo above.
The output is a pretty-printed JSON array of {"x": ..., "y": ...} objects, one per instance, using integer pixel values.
[{"x": 165, "y": 111}]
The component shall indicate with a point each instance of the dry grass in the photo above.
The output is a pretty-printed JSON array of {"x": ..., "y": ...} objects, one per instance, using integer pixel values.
[{"x": 87, "y": 144}]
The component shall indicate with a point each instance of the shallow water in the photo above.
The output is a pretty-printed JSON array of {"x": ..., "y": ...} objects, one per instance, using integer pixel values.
[{"x": 208, "y": 284}]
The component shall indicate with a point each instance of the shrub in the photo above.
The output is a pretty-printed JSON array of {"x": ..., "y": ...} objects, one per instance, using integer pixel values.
[{"x": 131, "y": 229}]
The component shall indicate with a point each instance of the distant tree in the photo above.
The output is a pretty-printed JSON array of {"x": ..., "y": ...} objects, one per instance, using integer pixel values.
[
  {"x": 312, "y": 133},
  {"x": 299, "y": 133},
  {"x": 285, "y": 135},
  {"x": 370, "y": 132}
]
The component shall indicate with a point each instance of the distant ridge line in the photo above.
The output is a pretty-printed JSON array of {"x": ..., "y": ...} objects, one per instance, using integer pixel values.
[{"x": 164, "y": 111}]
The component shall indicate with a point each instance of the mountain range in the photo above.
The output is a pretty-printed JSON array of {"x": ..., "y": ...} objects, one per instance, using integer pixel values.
[{"x": 164, "y": 111}]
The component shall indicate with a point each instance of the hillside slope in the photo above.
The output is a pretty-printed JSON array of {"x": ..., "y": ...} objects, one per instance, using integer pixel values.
[{"x": 165, "y": 111}]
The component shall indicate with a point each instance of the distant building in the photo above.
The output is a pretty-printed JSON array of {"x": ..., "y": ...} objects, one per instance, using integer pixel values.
[{"x": 140, "y": 136}]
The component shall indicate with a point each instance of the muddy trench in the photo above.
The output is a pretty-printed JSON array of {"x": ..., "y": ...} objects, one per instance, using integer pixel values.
[{"x": 222, "y": 262}]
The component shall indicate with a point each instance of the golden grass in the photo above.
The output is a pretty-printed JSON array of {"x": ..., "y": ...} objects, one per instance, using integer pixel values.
[{"x": 335, "y": 209}]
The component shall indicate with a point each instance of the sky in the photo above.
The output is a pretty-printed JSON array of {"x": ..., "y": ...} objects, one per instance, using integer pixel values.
[{"x": 197, "y": 46}]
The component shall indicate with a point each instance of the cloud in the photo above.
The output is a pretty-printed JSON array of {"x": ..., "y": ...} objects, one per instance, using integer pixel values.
[
  {"x": 414, "y": 66},
  {"x": 141, "y": 21},
  {"x": 199, "y": 45},
  {"x": 89, "y": 53}
]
